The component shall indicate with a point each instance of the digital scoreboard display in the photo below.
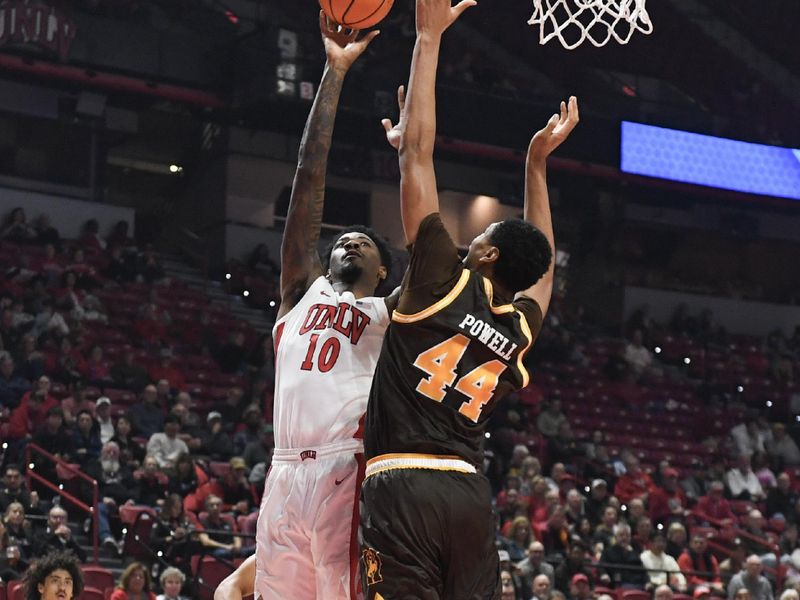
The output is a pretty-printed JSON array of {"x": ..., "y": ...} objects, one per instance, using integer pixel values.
[{"x": 710, "y": 161}]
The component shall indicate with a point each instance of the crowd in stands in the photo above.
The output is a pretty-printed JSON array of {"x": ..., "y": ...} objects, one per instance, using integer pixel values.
[
  {"x": 647, "y": 464},
  {"x": 111, "y": 367}
]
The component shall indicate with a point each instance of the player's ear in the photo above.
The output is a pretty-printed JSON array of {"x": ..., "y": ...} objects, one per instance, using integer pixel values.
[
  {"x": 489, "y": 255},
  {"x": 382, "y": 274}
]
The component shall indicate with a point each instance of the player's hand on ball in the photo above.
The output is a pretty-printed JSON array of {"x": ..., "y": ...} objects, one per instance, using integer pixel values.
[
  {"x": 395, "y": 132},
  {"x": 555, "y": 132},
  {"x": 342, "y": 47}
]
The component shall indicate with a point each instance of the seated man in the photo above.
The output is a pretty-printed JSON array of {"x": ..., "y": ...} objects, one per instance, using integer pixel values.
[
  {"x": 57, "y": 536},
  {"x": 166, "y": 446},
  {"x": 751, "y": 580},
  {"x": 661, "y": 567},
  {"x": 623, "y": 553},
  {"x": 700, "y": 566},
  {"x": 220, "y": 539},
  {"x": 714, "y": 506}
]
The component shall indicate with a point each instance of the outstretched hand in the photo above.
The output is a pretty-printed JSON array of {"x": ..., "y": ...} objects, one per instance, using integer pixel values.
[
  {"x": 555, "y": 132},
  {"x": 342, "y": 47},
  {"x": 435, "y": 16},
  {"x": 394, "y": 132}
]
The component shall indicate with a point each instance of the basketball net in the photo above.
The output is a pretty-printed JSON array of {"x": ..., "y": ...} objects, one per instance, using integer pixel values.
[{"x": 575, "y": 21}]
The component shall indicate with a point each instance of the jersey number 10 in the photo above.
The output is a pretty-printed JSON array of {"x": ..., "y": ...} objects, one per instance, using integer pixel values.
[
  {"x": 328, "y": 354},
  {"x": 440, "y": 363}
]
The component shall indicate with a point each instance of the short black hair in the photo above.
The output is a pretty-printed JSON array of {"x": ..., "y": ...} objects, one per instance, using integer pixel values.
[
  {"x": 45, "y": 565},
  {"x": 525, "y": 254},
  {"x": 383, "y": 246},
  {"x": 172, "y": 418}
]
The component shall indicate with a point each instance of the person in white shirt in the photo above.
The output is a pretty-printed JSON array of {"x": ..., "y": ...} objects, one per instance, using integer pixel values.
[
  {"x": 661, "y": 567},
  {"x": 102, "y": 413},
  {"x": 637, "y": 356},
  {"x": 742, "y": 481},
  {"x": 166, "y": 446}
]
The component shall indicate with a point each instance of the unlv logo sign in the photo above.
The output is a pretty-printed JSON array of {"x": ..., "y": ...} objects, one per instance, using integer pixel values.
[{"x": 35, "y": 23}]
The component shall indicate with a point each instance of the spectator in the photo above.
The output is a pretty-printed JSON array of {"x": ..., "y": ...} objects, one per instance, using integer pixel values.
[
  {"x": 147, "y": 417},
  {"x": 29, "y": 360},
  {"x": 714, "y": 506},
  {"x": 743, "y": 483},
  {"x": 134, "y": 584},
  {"x": 635, "y": 483},
  {"x": 130, "y": 451},
  {"x": 15, "y": 490},
  {"x": 783, "y": 448},
  {"x": 638, "y": 357},
  {"x": 102, "y": 411},
  {"x": 754, "y": 525},
  {"x": 214, "y": 440},
  {"x": 781, "y": 499},
  {"x": 597, "y": 501},
  {"x": 174, "y": 533},
  {"x": 90, "y": 236},
  {"x": 127, "y": 374},
  {"x": 16, "y": 228},
  {"x": 119, "y": 238},
  {"x": 231, "y": 356},
  {"x": 46, "y": 234},
  {"x": 574, "y": 564},
  {"x": 556, "y": 536},
  {"x": 86, "y": 438},
  {"x": 676, "y": 540},
  {"x": 54, "y": 438},
  {"x": 763, "y": 473},
  {"x": 260, "y": 451},
  {"x": 604, "y": 532},
  {"x": 575, "y": 509},
  {"x": 57, "y": 576},
  {"x": 18, "y": 530},
  {"x": 622, "y": 553},
  {"x": 166, "y": 446},
  {"x": 662, "y": 569},
  {"x": 116, "y": 484},
  {"x": 534, "y": 565},
  {"x": 550, "y": 418},
  {"x": 184, "y": 481},
  {"x": 220, "y": 539},
  {"x": 747, "y": 436},
  {"x": 636, "y": 511},
  {"x": 668, "y": 503},
  {"x": 97, "y": 371},
  {"x": 507, "y": 589},
  {"x": 234, "y": 487},
  {"x": 167, "y": 370},
  {"x": 564, "y": 447},
  {"x": 251, "y": 432},
  {"x": 580, "y": 588},
  {"x": 519, "y": 539},
  {"x": 641, "y": 539},
  {"x": 152, "y": 483},
  {"x": 57, "y": 536},
  {"x": 12, "y": 385},
  {"x": 172, "y": 581},
  {"x": 75, "y": 403},
  {"x": 699, "y": 565},
  {"x": 12, "y": 563},
  {"x": 751, "y": 579},
  {"x": 541, "y": 588},
  {"x": 233, "y": 407}
]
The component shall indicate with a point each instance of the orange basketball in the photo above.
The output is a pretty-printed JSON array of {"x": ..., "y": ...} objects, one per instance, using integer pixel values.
[{"x": 356, "y": 14}]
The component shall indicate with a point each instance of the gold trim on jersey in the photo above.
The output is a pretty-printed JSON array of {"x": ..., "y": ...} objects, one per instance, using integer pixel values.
[
  {"x": 428, "y": 462},
  {"x": 526, "y": 330},
  {"x": 434, "y": 308}
]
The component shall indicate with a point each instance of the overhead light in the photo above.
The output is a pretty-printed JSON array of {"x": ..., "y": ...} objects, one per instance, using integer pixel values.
[
  {"x": 227, "y": 275},
  {"x": 175, "y": 169},
  {"x": 245, "y": 293},
  {"x": 272, "y": 303}
]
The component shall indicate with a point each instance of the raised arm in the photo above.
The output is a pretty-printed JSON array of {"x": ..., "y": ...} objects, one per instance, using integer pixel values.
[
  {"x": 299, "y": 258},
  {"x": 418, "y": 194},
  {"x": 537, "y": 199}
]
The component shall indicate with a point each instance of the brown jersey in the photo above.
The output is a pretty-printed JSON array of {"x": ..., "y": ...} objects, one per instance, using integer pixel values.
[{"x": 450, "y": 353}]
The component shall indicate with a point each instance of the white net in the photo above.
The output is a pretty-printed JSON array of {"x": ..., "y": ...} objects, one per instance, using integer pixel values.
[{"x": 573, "y": 22}]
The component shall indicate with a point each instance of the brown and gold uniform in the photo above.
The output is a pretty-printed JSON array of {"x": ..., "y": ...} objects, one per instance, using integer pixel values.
[{"x": 450, "y": 354}]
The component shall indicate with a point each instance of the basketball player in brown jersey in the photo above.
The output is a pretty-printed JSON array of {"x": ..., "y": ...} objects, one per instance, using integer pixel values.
[{"x": 456, "y": 345}]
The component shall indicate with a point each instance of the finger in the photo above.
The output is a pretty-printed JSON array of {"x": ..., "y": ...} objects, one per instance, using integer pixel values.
[
  {"x": 551, "y": 124},
  {"x": 323, "y": 22},
  {"x": 367, "y": 39},
  {"x": 401, "y": 97},
  {"x": 563, "y": 109},
  {"x": 350, "y": 34},
  {"x": 387, "y": 125},
  {"x": 462, "y": 6},
  {"x": 574, "y": 113}
]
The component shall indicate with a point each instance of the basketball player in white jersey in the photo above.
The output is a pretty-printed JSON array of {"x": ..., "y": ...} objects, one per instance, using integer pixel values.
[{"x": 327, "y": 339}]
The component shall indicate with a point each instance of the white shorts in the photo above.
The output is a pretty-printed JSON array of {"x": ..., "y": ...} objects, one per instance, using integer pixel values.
[{"x": 307, "y": 536}]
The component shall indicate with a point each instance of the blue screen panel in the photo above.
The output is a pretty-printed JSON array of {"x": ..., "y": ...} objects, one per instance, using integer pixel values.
[{"x": 711, "y": 161}]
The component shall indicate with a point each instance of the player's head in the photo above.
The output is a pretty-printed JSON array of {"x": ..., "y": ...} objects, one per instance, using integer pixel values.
[
  {"x": 358, "y": 255},
  {"x": 512, "y": 253},
  {"x": 55, "y": 576}
]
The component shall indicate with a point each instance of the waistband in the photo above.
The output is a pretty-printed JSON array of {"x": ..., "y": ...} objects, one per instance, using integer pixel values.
[
  {"x": 312, "y": 453},
  {"x": 389, "y": 462}
]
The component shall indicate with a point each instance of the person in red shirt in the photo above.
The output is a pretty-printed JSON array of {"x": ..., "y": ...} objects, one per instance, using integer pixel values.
[
  {"x": 29, "y": 414},
  {"x": 635, "y": 483},
  {"x": 700, "y": 566},
  {"x": 166, "y": 370},
  {"x": 714, "y": 506},
  {"x": 668, "y": 503}
]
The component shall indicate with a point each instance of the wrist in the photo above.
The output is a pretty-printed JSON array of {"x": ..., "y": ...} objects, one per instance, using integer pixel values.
[
  {"x": 338, "y": 66},
  {"x": 429, "y": 37}
]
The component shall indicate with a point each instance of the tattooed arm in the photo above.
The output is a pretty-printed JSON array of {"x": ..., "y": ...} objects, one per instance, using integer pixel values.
[{"x": 300, "y": 263}]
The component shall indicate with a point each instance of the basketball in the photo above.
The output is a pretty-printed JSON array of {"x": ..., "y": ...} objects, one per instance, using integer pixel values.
[{"x": 356, "y": 14}]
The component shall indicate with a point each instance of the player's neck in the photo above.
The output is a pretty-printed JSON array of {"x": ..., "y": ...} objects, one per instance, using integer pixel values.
[
  {"x": 358, "y": 289},
  {"x": 501, "y": 295}
]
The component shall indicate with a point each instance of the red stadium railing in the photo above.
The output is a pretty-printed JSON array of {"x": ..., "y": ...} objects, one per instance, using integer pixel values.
[{"x": 32, "y": 475}]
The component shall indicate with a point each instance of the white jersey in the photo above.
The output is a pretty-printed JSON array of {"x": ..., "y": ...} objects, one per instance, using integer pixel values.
[{"x": 326, "y": 349}]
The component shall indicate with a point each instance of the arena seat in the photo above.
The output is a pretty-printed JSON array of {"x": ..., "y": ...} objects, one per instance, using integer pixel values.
[
  {"x": 15, "y": 590},
  {"x": 632, "y": 595},
  {"x": 209, "y": 573},
  {"x": 97, "y": 577},
  {"x": 91, "y": 593}
]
